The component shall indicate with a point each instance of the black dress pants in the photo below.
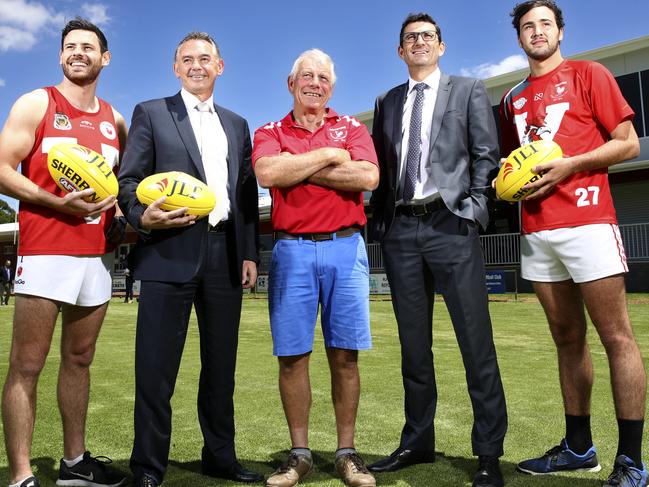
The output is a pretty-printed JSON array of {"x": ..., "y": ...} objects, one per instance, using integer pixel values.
[
  {"x": 441, "y": 252},
  {"x": 163, "y": 317}
]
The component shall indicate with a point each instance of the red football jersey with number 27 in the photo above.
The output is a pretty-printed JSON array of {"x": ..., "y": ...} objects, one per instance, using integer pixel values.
[{"x": 577, "y": 105}]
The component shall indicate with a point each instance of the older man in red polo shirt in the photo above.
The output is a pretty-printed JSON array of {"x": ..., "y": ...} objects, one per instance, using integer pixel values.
[{"x": 317, "y": 165}]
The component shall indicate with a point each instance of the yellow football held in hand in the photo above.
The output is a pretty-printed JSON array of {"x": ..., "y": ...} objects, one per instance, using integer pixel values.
[
  {"x": 516, "y": 171},
  {"x": 75, "y": 168},
  {"x": 181, "y": 190}
]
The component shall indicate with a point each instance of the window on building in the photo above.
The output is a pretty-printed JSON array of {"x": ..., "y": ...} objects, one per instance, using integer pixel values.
[{"x": 630, "y": 87}]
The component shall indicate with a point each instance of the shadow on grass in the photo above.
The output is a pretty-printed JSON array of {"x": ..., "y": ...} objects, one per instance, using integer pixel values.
[
  {"x": 182, "y": 474},
  {"x": 447, "y": 471},
  {"x": 45, "y": 468}
]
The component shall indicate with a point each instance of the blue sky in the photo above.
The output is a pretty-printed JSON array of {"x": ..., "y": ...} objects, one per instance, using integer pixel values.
[{"x": 259, "y": 41}]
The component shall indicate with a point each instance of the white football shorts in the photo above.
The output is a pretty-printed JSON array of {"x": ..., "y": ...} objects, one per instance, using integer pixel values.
[
  {"x": 583, "y": 254},
  {"x": 74, "y": 279}
]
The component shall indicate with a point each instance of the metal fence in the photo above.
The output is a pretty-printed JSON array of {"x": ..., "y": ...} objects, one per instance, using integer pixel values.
[
  {"x": 501, "y": 249},
  {"x": 636, "y": 241},
  {"x": 504, "y": 248}
]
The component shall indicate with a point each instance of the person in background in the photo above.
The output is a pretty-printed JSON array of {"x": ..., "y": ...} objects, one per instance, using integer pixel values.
[{"x": 6, "y": 275}]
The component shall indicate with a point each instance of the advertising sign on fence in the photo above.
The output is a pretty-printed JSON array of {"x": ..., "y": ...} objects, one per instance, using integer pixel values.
[
  {"x": 379, "y": 284},
  {"x": 495, "y": 282}
]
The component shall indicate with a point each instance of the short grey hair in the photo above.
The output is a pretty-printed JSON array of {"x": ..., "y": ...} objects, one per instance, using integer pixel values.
[
  {"x": 316, "y": 55},
  {"x": 199, "y": 36}
]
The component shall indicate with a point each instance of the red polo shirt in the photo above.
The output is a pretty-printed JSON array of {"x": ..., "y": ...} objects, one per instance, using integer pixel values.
[{"x": 306, "y": 207}]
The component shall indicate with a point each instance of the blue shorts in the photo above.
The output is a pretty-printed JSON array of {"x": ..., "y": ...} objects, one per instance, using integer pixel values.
[{"x": 333, "y": 274}]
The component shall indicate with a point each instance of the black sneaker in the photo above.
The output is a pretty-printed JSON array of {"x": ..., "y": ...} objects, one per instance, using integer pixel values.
[
  {"x": 30, "y": 482},
  {"x": 91, "y": 472}
]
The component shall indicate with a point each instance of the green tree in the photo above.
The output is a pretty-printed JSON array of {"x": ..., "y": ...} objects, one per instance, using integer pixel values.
[{"x": 7, "y": 213}]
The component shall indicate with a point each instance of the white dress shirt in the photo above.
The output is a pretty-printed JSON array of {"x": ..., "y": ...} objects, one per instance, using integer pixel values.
[
  {"x": 214, "y": 151},
  {"x": 425, "y": 188}
]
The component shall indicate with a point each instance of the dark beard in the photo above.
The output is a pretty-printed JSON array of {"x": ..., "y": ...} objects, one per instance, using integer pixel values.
[
  {"x": 79, "y": 79},
  {"x": 545, "y": 54}
]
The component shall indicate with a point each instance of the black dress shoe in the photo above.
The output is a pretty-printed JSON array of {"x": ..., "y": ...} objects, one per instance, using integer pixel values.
[
  {"x": 401, "y": 458},
  {"x": 488, "y": 474},
  {"x": 235, "y": 472},
  {"x": 145, "y": 481}
]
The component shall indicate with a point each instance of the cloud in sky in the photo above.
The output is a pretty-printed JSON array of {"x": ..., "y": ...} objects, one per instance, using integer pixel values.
[
  {"x": 2, "y": 82},
  {"x": 487, "y": 70},
  {"x": 31, "y": 16},
  {"x": 14, "y": 39},
  {"x": 22, "y": 22},
  {"x": 95, "y": 13}
]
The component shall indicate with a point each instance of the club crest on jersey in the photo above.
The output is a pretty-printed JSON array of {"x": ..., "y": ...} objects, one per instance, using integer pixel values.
[
  {"x": 338, "y": 134},
  {"x": 108, "y": 130},
  {"x": 62, "y": 122},
  {"x": 559, "y": 90},
  {"x": 520, "y": 103}
]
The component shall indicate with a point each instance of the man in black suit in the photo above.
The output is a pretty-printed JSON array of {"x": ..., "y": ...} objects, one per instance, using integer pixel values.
[
  {"x": 183, "y": 261},
  {"x": 436, "y": 141},
  {"x": 5, "y": 283}
]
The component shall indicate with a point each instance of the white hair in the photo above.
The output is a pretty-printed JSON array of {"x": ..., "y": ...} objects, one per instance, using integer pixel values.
[{"x": 316, "y": 55}]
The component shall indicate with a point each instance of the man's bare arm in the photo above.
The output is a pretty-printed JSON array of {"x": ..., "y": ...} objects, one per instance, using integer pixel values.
[
  {"x": 16, "y": 141},
  {"x": 286, "y": 169},
  {"x": 622, "y": 146},
  {"x": 350, "y": 176}
]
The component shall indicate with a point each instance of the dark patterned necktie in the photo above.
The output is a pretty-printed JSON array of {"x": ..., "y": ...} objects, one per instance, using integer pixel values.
[{"x": 414, "y": 144}]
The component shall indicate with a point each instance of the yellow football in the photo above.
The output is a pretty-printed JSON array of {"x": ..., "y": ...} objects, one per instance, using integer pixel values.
[
  {"x": 181, "y": 190},
  {"x": 75, "y": 168},
  {"x": 516, "y": 171}
]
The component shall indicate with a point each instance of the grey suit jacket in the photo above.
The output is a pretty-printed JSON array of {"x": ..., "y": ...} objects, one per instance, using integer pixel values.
[
  {"x": 463, "y": 157},
  {"x": 161, "y": 139}
]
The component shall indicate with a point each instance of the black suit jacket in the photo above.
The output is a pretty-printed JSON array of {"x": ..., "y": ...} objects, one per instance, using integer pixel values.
[
  {"x": 161, "y": 139},
  {"x": 463, "y": 157},
  {"x": 3, "y": 275}
]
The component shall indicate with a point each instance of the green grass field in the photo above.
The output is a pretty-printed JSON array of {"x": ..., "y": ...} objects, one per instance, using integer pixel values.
[{"x": 527, "y": 359}]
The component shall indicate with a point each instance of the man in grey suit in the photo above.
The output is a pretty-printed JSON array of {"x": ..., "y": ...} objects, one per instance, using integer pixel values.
[
  {"x": 182, "y": 261},
  {"x": 435, "y": 138}
]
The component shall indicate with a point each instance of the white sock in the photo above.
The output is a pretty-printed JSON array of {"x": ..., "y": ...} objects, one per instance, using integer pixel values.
[
  {"x": 17, "y": 484},
  {"x": 74, "y": 461}
]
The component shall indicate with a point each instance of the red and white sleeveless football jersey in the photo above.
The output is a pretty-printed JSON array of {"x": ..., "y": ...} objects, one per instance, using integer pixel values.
[
  {"x": 577, "y": 105},
  {"x": 43, "y": 230}
]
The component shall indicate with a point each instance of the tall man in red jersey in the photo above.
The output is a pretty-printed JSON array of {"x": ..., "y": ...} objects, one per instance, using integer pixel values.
[
  {"x": 571, "y": 247},
  {"x": 64, "y": 257},
  {"x": 317, "y": 165}
]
